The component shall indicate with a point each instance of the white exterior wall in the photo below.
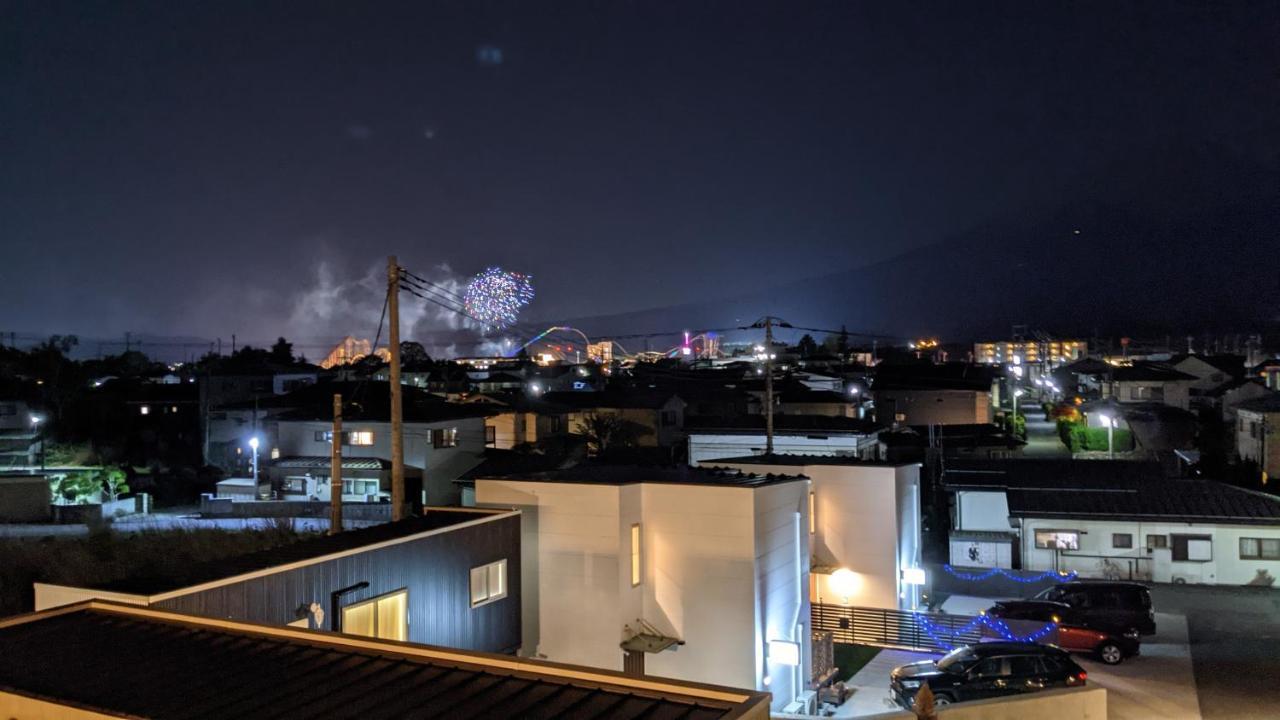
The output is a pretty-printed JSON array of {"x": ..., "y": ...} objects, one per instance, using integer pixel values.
[
  {"x": 1225, "y": 568},
  {"x": 51, "y": 596},
  {"x": 982, "y": 510},
  {"x": 867, "y": 521},
  {"x": 723, "y": 570},
  {"x": 706, "y": 446},
  {"x": 441, "y": 466}
]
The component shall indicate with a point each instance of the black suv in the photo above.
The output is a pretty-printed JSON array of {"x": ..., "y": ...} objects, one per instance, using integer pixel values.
[
  {"x": 1116, "y": 607},
  {"x": 985, "y": 670}
]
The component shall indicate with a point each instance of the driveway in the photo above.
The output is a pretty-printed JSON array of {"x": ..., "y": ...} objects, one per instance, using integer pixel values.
[{"x": 1042, "y": 437}]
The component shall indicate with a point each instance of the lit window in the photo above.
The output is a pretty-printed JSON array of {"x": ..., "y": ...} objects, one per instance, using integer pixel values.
[
  {"x": 360, "y": 437},
  {"x": 275, "y": 453},
  {"x": 488, "y": 583},
  {"x": 385, "y": 617},
  {"x": 636, "y": 557},
  {"x": 144, "y": 410},
  {"x": 813, "y": 513},
  {"x": 444, "y": 437},
  {"x": 324, "y": 435},
  {"x": 1058, "y": 539}
]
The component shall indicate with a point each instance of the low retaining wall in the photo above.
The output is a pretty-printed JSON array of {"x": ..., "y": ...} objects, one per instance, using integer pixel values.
[
  {"x": 97, "y": 512},
  {"x": 214, "y": 507}
]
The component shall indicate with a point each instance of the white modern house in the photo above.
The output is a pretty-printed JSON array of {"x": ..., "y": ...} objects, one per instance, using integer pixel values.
[
  {"x": 714, "y": 438},
  {"x": 676, "y": 572},
  {"x": 864, "y": 527},
  {"x": 1104, "y": 520}
]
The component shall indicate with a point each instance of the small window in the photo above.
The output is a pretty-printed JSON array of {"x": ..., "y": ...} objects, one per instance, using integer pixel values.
[
  {"x": 1157, "y": 541},
  {"x": 637, "y": 559},
  {"x": 444, "y": 437},
  {"x": 385, "y": 617},
  {"x": 144, "y": 410},
  {"x": 1057, "y": 539},
  {"x": 360, "y": 437},
  {"x": 324, "y": 435},
  {"x": 813, "y": 513},
  {"x": 668, "y": 418},
  {"x": 1191, "y": 548},
  {"x": 1121, "y": 541},
  {"x": 488, "y": 583},
  {"x": 1260, "y": 548},
  {"x": 490, "y": 435}
]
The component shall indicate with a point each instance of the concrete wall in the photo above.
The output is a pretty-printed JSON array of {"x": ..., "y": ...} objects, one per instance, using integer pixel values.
[
  {"x": 25, "y": 498},
  {"x": 1225, "y": 568},
  {"x": 1085, "y": 703}
]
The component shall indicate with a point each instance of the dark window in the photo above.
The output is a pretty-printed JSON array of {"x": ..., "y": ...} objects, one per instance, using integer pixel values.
[
  {"x": 1157, "y": 541},
  {"x": 993, "y": 667},
  {"x": 1022, "y": 665},
  {"x": 490, "y": 434},
  {"x": 668, "y": 418},
  {"x": 1121, "y": 541},
  {"x": 1260, "y": 548}
]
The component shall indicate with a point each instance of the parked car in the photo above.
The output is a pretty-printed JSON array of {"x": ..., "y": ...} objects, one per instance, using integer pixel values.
[
  {"x": 1074, "y": 633},
  {"x": 994, "y": 669},
  {"x": 1117, "y": 607}
]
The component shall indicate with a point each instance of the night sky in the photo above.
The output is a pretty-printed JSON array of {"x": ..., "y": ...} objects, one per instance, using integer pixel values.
[{"x": 199, "y": 169}]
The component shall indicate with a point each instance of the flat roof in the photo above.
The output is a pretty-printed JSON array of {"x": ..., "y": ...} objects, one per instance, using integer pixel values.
[
  {"x": 141, "y": 662},
  {"x": 590, "y": 474},
  {"x": 803, "y": 460},
  {"x": 314, "y": 549}
]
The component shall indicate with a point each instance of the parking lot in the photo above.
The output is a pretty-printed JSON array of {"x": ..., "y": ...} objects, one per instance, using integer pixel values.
[{"x": 1158, "y": 684}]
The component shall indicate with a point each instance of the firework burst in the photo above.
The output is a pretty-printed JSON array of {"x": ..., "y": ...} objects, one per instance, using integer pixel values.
[{"x": 495, "y": 296}]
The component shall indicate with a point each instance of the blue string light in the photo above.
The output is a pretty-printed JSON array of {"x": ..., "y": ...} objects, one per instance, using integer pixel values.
[
  {"x": 976, "y": 577},
  {"x": 998, "y": 626}
]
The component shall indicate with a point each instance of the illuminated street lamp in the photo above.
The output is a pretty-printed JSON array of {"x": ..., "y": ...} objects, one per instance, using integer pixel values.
[
  {"x": 35, "y": 429},
  {"x": 253, "y": 443},
  {"x": 1110, "y": 422}
]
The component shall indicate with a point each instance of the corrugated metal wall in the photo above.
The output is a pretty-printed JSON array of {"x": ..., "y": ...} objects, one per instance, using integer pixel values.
[{"x": 435, "y": 569}]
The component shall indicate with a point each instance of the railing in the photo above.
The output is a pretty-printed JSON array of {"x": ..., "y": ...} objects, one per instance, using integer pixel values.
[
  {"x": 895, "y": 628},
  {"x": 925, "y": 632}
]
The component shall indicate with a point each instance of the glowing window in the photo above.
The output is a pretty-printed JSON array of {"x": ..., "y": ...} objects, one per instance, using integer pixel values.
[
  {"x": 385, "y": 617},
  {"x": 361, "y": 437},
  {"x": 636, "y": 557},
  {"x": 813, "y": 513},
  {"x": 488, "y": 583},
  {"x": 144, "y": 410}
]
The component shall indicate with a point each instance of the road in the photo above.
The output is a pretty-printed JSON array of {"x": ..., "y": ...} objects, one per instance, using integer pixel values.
[
  {"x": 1042, "y": 437},
  {"x": 1235, "y": 633}
]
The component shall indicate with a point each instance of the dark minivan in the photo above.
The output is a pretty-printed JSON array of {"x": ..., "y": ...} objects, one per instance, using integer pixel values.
[
  {"x": 1117, "y": 607},
  {"x": 985, "y": 670}
]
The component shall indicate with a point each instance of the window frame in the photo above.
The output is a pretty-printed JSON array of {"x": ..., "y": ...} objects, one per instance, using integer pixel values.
[
  {"x": 637, "y": 555},
  {"x": 490, "y": 434},
  {"x": 1164, "y": 541},
  {"x": 1127, "y": 540},
  {"x": 355, "y": 438},
  {"x": 490, "y": 596},
  {"x": 1035, "y": 539},
  {"x": 1260, "y": 554},
  {"x": 438, "y": 436},
  {"x": 374, "y": 601},
  {"x": 1186, "y": 546}
]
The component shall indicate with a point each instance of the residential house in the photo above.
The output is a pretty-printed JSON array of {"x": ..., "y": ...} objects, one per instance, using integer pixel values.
[
  {"x": 1269, "y": 372},
  {"x": 1211, "y": 372},
  {"x": 1147, "y": 381},
  {"x": 451, "y": 577},
  {"x": 19, "y": 435},
  {"x": 520, "y": 419},
  {"x": 864, "y": 517},
  {"x": 213, "y": 667},
  {"x": 1258, "y": 433},
  {"x": 934, "y": 394},
  {"x": 657, "y": 416},
  {"x": 677, "y": 572},
  {"x": 711, "y": 438}
]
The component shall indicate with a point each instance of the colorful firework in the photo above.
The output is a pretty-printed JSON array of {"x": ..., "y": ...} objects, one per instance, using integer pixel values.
[{"x": 495, "y": 296}]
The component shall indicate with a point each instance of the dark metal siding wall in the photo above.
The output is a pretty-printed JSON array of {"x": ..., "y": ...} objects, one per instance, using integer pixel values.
[{"x": 435, "y": 569}]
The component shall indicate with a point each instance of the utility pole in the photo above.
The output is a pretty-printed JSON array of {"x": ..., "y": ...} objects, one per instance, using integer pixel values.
[
  {"x": 768, "y": 384},
  {"x": 335, "y": 469},
  {"x": 399, "y": 509}
]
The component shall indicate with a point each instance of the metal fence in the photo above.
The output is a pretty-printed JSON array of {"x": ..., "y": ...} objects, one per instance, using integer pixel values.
[
  {"x": 899, "y": 629},
  {"x": 824, "y": 658}
]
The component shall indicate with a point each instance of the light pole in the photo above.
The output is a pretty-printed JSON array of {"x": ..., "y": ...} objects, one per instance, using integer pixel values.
[
  {"x": 1013, "y": 423},
  {"x": 253, "y": 443},
  {"x": 1110, "y": 423},
  {"x": 35, "y": 428}
]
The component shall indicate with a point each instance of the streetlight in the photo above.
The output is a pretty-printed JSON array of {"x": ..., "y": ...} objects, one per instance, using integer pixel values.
[
  {"x": 1110, "y": 423},
  {"x": 35, "y": 429},
  {"x": 253, "y": 443}
]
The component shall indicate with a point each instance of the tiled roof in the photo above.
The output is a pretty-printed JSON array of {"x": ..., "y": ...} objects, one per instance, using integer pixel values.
[
  {"x": 640, "y": 399},
  {"x": 1049, "y": 474},
  {"x": 319, "y": 462},
  {"x": 803, "y": 460},
  {"x": 1173, "y": 500},
  {"x": 1148, "y": 372},
  {"x": 134, "y": 662},
  {"x": 1268, "y": 403},
  {"x": 787, "y": 423}
]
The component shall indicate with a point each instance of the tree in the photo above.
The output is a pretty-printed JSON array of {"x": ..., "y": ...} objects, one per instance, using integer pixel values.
[
  {"x": 604, "y": 432},
  {"x": 77, "y": 488},
  {"x": 842, "y": 341},
  {"x": 413, "y": 356},
  {"x": 114, "y": 484},
  {"x": 807, "y": 346},
  {"x": 282, "y": 352}
]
